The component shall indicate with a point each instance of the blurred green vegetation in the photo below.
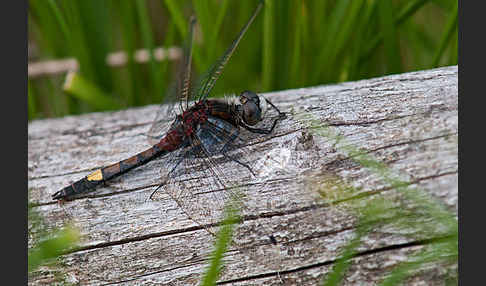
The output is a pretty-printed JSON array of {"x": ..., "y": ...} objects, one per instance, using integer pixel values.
[
  {"x": 291, "y": 44},
  {"x": 46, "y": 244},
  {"x": 222, "y": 242},
  {"x": 403, "y": 209}
]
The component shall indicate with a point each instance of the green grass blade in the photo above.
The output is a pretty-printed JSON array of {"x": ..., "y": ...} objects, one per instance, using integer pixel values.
[
  {"x": 223, "y": 240},
  {"x": 52, "y": 101},
  {"x": 47, "y": 244},
  {"x": 45, "y": 30},
  {"x": 416, "y": 50},
  {"x": 212, "y": 41},
  {"x": 283, "y": 33},
  {"x": 204, "y": 20},
  {"x": 408, "y": 11},
  {"x": 59, "y": 19},
  {"x": 308, "y": 41},
  {"x": 52, "y": 247},
  {"x": 169, "y": 42},
  {"x": 201, "y": 7},
  {"x": 363, "y": 24},
  {"x": 148, "y": 41},
  {"x": 296, "y": 64},
  {"x": 444, "y": 249},
  {"x": 96, "y": 32},
  {"x": 182, "y": 25},
  {"x": 268, "y": 58},
  {"x": 164, "y": 65},
  {"x": 319, "y": 8},
  {"x": 78, "y": 44},
  {"x": 88, "y": 92},
  {"x": 128, "y": 29},
  {"x": 402, "y": 16},
  {"x": 436, "y": 221},
  {"x": 177, "y": 16},
  {"x": 335, "y": 277},
  {"x": 329, "y": 34},
  {"x": 388, "y": 29},
  {"x": 451, "y": 27},
  {"x": 336, "y": 69}
]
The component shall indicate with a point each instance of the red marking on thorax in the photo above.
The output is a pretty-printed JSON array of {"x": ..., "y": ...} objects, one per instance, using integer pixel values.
[
  {"x": 185, "y": 127},
  {"x": 194, "y": 116}
]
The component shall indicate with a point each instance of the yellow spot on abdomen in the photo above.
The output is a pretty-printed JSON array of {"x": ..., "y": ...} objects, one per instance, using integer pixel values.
[{"x": 95, "y": 176}]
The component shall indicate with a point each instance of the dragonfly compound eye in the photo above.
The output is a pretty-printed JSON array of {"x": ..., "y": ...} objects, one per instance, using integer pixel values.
[{"x": 252, "y": 113}]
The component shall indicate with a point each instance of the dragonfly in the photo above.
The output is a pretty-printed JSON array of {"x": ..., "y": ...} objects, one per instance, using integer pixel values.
[{"x": 200, "y": 130}]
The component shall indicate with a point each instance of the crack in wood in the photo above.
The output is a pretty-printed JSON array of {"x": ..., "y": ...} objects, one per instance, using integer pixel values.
[
  {"x": 374, "y": 192},
  {"x": 412, "y": 142},
  {"x": 422, "y": 242},
  {"x": 344, "y": 158},
  {"x": 153, "y": 273},
  {"x": 366, "y": 123},
  {"x": 252, "y": 218},
  {"x": 91, "y": 132}
]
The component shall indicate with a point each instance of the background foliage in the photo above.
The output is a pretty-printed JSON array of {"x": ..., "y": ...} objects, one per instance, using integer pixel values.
[{"x": 291, "y": 44}]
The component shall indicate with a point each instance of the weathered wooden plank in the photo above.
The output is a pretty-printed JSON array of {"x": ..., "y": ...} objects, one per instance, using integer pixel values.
[{"x": 407, "y": 121}]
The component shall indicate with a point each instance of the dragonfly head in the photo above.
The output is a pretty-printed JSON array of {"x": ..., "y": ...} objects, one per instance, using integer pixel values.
[{"x": 251, "y": 110}]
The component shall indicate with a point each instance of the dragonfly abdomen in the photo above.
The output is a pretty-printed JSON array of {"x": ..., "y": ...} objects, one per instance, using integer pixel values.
[{"x": 106, "y": 173}]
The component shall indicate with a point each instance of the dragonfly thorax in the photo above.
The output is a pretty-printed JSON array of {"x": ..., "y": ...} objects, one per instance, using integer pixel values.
[{"x": 193, "y": 117}]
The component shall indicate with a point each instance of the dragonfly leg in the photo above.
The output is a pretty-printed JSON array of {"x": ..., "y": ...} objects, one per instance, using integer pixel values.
[
  {"x": 281, "y": 115},
  {"x": 225, "y": 154},
  {"x": 241, "y": 163},
  {"x": 261, "y": 130}
]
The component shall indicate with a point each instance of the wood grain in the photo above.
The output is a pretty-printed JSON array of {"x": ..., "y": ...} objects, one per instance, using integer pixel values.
[{"x": 407, "y": 121}]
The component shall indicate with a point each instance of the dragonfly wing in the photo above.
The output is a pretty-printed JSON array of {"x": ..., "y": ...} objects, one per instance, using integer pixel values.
[
  {"x": 166, "y": 114},
  {"x": 199, "y": 185},
  {"x": 185, "y": 73},
  {"x": 208, "y": 80},
  {"x": 198, "y": 194},
  {"x": 178, "y": 94}
]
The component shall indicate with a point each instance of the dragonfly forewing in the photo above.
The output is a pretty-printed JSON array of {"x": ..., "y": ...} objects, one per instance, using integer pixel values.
[
  {"x": 198, "y": 184},
  {"x": 177, "y": 98}
]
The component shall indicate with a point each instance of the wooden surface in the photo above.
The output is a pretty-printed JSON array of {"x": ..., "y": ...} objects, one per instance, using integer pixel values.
[{"x": 407, "y": 121}]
